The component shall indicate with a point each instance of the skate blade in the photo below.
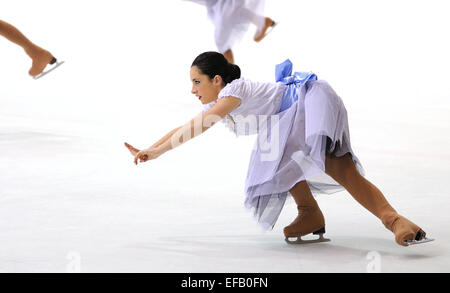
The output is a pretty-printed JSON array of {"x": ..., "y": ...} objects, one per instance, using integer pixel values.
[
  {"x": 414, "y": 242},
  {"x": 56, "y": 65},
  {"x": 268, "y": 31},
  {"x": 299, "y": 240}
]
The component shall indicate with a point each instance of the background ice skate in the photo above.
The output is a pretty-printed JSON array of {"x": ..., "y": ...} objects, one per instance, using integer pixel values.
[{"x": 68, "y": 185}]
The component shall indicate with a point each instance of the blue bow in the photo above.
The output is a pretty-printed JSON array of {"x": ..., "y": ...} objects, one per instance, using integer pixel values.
[{"x": 283, "y": 73}]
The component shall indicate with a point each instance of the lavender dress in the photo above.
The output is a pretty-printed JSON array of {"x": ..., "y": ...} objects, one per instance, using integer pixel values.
[{"x": 300, "y": 124}]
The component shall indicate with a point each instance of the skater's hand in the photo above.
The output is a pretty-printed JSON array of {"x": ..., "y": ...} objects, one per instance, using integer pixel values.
[
  {"x": 146, "y": 155},
  {"x": 132, "y": 149},
  {"x": 143, "y": 155}
]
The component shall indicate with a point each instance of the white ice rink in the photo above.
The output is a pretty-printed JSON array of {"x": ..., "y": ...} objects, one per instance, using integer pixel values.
[{"x": 71, "y": 198}]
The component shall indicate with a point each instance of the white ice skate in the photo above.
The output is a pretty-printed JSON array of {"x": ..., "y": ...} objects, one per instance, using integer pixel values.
[
  {"x": 54, "y": 64},
  {"x": 299, "y": 239}
]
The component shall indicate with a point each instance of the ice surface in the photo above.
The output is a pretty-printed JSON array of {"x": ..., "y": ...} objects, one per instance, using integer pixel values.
[{"x": 70, "y": 196}]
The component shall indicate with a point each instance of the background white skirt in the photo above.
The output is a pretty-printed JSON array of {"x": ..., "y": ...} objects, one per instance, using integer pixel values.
[{"x": 231, "y": 19}]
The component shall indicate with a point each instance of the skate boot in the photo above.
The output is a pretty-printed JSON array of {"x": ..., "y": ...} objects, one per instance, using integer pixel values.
[
  {"x": 406, "y": 232},
  {"x": 41, "y": 58},
  {"x": 309, "y": 220},
  {"x": 268, "y": 27}
]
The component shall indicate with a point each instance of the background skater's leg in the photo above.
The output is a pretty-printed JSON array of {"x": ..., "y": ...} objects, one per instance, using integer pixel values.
[
  {"x": 39, "y": 56},
  {"x": 262, "y": 23},
  {"x": 229, "y": 56}
]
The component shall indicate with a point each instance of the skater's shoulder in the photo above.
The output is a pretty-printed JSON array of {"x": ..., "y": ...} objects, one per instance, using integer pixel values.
[
  {"x": 235, "y": 87},
  {"x": 237, "y": 81},
  {"x": 242, "y": 84}
]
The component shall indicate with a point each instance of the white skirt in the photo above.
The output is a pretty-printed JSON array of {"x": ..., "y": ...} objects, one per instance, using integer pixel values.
[{"x": 231, "y": 19}]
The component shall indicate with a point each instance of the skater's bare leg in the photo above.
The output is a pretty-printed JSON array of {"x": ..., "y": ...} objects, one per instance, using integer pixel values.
[
  {"x": 229, "y": 56},
  {"x": 310, "y": 218},
  {"x": 39, "y": 56},
  {"x": 343, "y": 170}
]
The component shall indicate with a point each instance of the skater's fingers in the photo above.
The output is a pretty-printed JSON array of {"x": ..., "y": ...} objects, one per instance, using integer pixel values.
[
  {"x": 143, "y": 157},
  {"x": 140, "y": 156},
  {"x": 132, "y": 149},
  {"x": 136, "y": 158},
  {"x": 129, "y": 146}
]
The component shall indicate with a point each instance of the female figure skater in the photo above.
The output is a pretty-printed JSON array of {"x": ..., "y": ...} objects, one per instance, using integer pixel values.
[
  {"x": 231, "y": 19},
  {"x": 41, "y": 58},
  {"x": 310, "y": 138}
]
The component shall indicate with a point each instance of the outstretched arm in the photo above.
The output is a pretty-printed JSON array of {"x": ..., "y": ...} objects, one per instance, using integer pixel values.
[
  {"x": 165, "y": 137},
  {"x": 193, "y": 128}
]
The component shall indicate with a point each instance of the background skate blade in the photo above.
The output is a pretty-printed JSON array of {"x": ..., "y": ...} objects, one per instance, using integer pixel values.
[
  {"x": 50, "y": 70},
  {"x": 414, "y": 242}
]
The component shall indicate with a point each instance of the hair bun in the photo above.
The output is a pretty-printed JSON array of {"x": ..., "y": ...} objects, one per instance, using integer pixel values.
[
  {"x": 234, "y": 72},
  {"x": 214, "y": 63}
]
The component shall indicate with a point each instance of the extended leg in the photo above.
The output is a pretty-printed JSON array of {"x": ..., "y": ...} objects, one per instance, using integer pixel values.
[
  {"x": 39, "y": 56},
  {"x": 343, "y": 170},
  {"x": 14, "y": 35}
]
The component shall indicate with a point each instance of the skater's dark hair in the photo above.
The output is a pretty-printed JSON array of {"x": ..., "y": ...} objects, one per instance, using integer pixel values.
[{"x": 214, "y": 63}]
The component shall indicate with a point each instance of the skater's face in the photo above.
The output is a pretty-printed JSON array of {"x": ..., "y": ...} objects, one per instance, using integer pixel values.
[{"x": 205, "y": 88}]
